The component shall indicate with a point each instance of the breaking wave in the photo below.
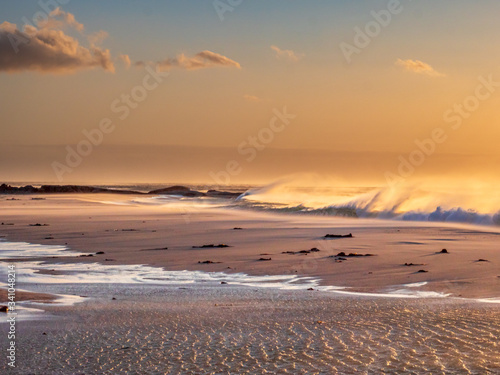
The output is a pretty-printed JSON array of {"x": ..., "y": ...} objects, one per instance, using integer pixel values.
[{"x": 409, "y": 203}]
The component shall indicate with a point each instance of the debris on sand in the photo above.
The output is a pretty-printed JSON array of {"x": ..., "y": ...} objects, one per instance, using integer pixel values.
[
  {"x": 211, "y": 246},
  {"x": 342, "y": 255},
  {"x": 313, "y": 250},
  {"x": 338, "y": 235}
]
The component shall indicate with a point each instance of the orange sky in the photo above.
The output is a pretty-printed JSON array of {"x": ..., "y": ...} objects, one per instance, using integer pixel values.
[{"x": 364, "y": 83}]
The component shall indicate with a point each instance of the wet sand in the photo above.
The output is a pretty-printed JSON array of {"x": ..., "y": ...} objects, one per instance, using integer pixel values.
[
  {"x": 139, "y": 234},
  {"x": 219, "y": 330},
  {"x": 27, "y": 296}
]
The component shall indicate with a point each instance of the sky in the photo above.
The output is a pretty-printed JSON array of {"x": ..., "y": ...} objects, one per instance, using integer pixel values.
[{"x": 240, "y": 91}]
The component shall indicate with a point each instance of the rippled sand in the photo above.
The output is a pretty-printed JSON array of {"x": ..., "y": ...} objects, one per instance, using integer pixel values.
[{"x": 218, "y": 330}]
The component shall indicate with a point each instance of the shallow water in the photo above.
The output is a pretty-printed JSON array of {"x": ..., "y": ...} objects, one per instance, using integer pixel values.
[
  {"x": 256, "y": 325},
  {"x": 39, "y": 272}
]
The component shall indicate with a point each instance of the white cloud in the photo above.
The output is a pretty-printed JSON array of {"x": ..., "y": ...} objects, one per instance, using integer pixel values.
[
  {"x": 125, "y": 59},
  {"x": 419, "y": 67},
  {"x": 202, "y": 60},
  {"x": 252, "y": 98},
  {"x": 287, "y": 54}
]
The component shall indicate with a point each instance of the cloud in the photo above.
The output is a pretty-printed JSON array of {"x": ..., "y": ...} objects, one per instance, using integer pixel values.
[
  {"x": 125, "y": 59},
  {"x": 252, "y": 98},
  {"x": 58, "y": 19},
  {"x": 418, "y": 67},
  {"x": 202, "y": 60},
  {"x": 97, "y": 37},
  {"x": 46, "y": 48},
  {"x": 287, "y": 54}
]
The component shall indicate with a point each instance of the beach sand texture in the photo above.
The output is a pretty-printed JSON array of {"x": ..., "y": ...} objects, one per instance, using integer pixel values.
[{"x": 126, "y": 325}]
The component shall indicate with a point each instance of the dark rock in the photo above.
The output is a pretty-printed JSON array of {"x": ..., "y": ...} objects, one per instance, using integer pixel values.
[
  {"x": 7, "y": 189},
  {"x": 482, "y": 260},
  {"x": 109, "y": 260},
  {"x": 444, "y": 251},
  {"x": 342, "y": 255},
  {"x": 313, "y": 250},
  {"x": 264, "y": 259},
  {"x": 221, "y": 245},
  {"x": 178, "y": 190},
  {"x": 208, "y": 262},
  {"x": 52, "y": 189},
  {"x": 100, "y": 252},
  {"x": 414, "y": 264},
  {"x": 222, "y": 194},
  {"x": 237, "y": 228},
  {"x": 338, "y": 235},
  {"x": 310, "y": 289},
  {"x": 422, "y": 271},
  {"x": 223, "y": 282},
  {"x": 156, "y": 249},
  {"x": 49, "y": 238},
  {"x": 4, "y": 309}
]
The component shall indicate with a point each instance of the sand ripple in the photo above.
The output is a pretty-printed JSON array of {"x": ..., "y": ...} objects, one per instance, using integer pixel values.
[{"x": 256, "y": 332}]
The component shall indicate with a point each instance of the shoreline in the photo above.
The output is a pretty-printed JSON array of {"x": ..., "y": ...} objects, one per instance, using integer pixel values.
[
  {"x": 28, "y": 296},
  {"x": 139, "y": 234}
]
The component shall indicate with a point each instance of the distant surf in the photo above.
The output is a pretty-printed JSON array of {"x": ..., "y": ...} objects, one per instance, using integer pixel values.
[{"x": 408, "y": 203}]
